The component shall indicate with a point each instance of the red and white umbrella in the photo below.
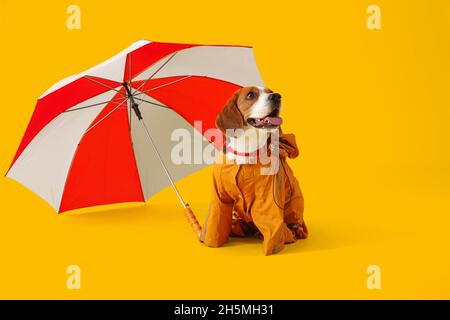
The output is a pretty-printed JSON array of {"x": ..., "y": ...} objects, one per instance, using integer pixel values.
[{"x": 85, "y": 144}]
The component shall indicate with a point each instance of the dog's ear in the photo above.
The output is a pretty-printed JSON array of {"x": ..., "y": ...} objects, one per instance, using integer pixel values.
[{"x": 230, "y": 117}]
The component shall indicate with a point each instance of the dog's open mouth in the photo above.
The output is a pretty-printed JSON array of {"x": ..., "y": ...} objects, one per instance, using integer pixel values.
[{"x": 270, "y": 121}]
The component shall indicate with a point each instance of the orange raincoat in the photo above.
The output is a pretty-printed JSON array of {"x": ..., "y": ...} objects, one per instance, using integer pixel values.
[{"x": 246, "y": 202}]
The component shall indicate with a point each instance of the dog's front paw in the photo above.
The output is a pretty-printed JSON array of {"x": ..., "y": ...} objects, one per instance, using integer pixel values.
[{"x": 299, "y": 231}]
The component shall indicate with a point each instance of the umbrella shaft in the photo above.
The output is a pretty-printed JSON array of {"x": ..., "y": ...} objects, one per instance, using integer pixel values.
[
  {"x": 134, "y": 105},
  {"x": 162, "y": 163}
]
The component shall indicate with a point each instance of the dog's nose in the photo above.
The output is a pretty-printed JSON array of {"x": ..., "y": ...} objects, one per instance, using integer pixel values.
[{"x": 275, "y": 97}]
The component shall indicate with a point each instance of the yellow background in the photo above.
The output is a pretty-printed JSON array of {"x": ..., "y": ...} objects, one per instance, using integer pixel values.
[{"x": 371, "y": 113}]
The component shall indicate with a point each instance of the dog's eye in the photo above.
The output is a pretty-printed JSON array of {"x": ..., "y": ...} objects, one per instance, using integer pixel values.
[{"x": 250, "y": 95}]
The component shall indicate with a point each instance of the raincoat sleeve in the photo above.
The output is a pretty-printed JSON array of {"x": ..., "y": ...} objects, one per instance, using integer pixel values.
[
  {"x": 269, "y": 218},
  {"x": 272, "y": 212},
  {"x": 293, "y": 213},
  {"x": 217, "y": 226}
]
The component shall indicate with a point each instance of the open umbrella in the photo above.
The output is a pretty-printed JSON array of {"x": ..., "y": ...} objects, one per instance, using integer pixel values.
[{"x": 103, "y": 136}]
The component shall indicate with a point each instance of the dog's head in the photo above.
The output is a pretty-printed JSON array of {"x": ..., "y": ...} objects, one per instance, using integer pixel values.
[{"x": 251, "y": 107}]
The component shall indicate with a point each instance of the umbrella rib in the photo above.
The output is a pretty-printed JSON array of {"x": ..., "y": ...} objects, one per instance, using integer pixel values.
[
  {"x": 153, "y": 103},
  {"x": 104, "y": 85},
  {"x": 93, "y": 105},
  {"x": 106, "y": 116},
  {"x": 157, "y": 70},
  {"x": 163, "y": 85}
]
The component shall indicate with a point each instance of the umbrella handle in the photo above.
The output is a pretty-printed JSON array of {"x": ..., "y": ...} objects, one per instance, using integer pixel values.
[{"x": 193, "y": 221}]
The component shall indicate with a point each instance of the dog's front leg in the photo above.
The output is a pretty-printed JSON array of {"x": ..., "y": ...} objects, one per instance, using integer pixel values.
[
  {"x": 217, "y": 227},
  {"x": 275, "y": 232},
  {"x": 268, "y": 217}
]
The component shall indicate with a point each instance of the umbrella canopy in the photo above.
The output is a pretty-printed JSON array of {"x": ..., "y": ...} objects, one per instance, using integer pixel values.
[{"x": 84, "y": 146}]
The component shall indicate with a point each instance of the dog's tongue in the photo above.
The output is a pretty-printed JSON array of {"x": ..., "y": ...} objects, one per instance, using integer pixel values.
[{"x": 274, "y": 121}]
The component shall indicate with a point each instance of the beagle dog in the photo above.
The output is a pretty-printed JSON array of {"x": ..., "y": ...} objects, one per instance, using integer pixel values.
[{"x": 247, "y": 198}]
